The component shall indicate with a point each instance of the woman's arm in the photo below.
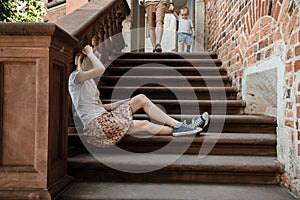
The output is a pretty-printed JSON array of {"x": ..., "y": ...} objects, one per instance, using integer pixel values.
[
  {"x": 97, "y": 69},
  {"x": 175, "y": 14}
]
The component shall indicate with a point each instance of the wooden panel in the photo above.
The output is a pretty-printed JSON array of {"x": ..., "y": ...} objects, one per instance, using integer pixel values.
[
  {"x": 19, "y": 113},
  {"x": 1, "y": 108}
]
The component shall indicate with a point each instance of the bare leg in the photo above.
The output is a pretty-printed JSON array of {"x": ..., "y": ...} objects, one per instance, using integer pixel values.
[
  {"x": 188, "y": 48},
  {"x": 146, "y": 126},
  {"x": 141, "y": 101},
  {"x": 152, "y": 36},
  {"x": 159, "y": 32},
  {"x": 180, "y": 46}
]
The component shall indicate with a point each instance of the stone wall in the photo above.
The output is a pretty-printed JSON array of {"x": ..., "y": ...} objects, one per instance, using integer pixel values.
[{"x": 259, "y": 43}]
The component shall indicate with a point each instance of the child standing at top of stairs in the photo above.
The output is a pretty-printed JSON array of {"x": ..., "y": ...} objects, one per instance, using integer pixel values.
[
  {"x": 186, "y": 30},
  {"x": 107, "y": 124}
]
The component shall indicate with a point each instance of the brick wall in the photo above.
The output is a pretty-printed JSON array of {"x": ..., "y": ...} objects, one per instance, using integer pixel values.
[
  {"x": 55, "y": 13},
  {"x": 246, "y": 33}
]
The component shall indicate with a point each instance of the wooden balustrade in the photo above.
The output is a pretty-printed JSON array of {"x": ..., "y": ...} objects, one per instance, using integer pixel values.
[
  {"x": 98, "y": 23},
  {"x": 34, "y": 69}
]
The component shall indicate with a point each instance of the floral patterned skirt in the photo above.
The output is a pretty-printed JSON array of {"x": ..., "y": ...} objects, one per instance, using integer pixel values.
[{"x": 110, "y": 128}]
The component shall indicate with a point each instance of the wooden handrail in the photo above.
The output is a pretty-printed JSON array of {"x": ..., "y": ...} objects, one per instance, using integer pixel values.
[{"x": 98, "y": 23}]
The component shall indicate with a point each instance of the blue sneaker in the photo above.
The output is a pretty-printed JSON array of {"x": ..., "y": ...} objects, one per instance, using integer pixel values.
[
  {"x": 183, "y": 129},
  {"x": 201, "y": 122}
]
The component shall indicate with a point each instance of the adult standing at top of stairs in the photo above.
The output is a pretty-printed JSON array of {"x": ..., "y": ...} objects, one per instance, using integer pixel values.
[{"x": 156, "y": 10}]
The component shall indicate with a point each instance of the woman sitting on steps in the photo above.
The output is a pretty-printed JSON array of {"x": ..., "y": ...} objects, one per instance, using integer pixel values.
[{"x": 107, "y": 124}]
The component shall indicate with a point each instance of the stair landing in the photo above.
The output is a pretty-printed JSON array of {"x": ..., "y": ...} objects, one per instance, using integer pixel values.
[{"x": 174, "y": 191}]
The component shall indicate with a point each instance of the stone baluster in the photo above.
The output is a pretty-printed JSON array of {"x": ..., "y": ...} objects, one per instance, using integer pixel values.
[
  {"x": 107, "y": 40},
  {"x": 101, "y": 46},
  {"x": 120, "y": 16},
  {"x": 115, "y": 32}
]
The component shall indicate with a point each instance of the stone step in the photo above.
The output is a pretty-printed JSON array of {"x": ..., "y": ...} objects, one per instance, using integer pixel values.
[
  {"x": 196, "y": 106},
  {"x": 225, "y": 123},
  {"x": 212, "y": 143},
  {"x": 167, "y": 55},
  {"x": 165, "y": 71},
  {"x": 181, "y": 93},
  {"x": 166, "y": 81},
  {"x": 82, "y": 190},
  {"x": 231, "y": 123},
  {"x": 167, "y": 62},
  {"x": 150, "y": 167}
]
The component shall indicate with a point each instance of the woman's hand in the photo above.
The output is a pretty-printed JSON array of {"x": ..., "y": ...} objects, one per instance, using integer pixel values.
[
  {"x": 172, "y": 8},
  {"x": 87, "y": 49},
  {"x": 141, "y": 2}
]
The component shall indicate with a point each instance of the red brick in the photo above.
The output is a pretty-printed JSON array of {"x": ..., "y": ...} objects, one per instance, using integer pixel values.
[
  {"x": 274, "y": 37},
  {"x": 255, "y": 38},
  {"x": 263, "y": 9},
  {"x": 262, "y": 55},
  {"x": 298, "y": 112},
  {"x": 269, "y": 52},
  {"x": 298, "y": 149},
  {"x": 249, "y": 52},
  {"x": 297, "y": 66},
  {"x": 266, "y": 21},
  {"x": 286, "y": 180},
  {"x": 299, "y": 88},
  {"x": 289, "y": 54},
  {"x": 255, "y": 29},
  {"x": 248, "y": 26},
  {"x": 288, "y": 67},
  {"x": 252, "y": 59},
  {"x": 289, "y": 105},
  {"x": 291, "y": 81},
  {"x": 290, "y": 114},
  {"x": 293, "y": 39},
  {"x": 298, "y": 99},
  {"x": 297, "y": 50},
  {"x": 285, "y": 23},
  {"x": 267, "y": 8},
  {"x": 289, "y": 123},
  {"x": 299, "y": 135},
  {"x": 257, "y": 13},
  {"x": 298, "y": 36},
  {"x": 292, "y": 22},
  {"x": 282, "y": 14},
  {"x": 263, "y": 43},
  {"x": 277, "y": 10},
  {"x": 266, "y": 31}
]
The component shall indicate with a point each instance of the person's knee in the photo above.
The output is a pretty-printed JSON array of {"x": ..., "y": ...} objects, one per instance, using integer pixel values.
[
  {"x": 143, "y": 99},
  {"x": 144, "y": 123},
  {"x": 159, "y": 24}
]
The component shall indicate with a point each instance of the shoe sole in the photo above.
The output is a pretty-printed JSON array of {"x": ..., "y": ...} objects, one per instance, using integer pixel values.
[
  {"x": 198, "y": 130},
  {"x": 158, "y": 50},
  {"x": 206, "y": 120}
]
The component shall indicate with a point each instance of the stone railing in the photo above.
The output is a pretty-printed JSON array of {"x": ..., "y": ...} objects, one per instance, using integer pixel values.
[
  {"x": 35, "y": 62},
  {"x": 34, "y": 69},
  {"x": 98, "y": 23}
]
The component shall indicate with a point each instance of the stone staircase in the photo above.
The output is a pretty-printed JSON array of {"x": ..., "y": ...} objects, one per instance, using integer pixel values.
[{"x": 241, "y": 149}]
